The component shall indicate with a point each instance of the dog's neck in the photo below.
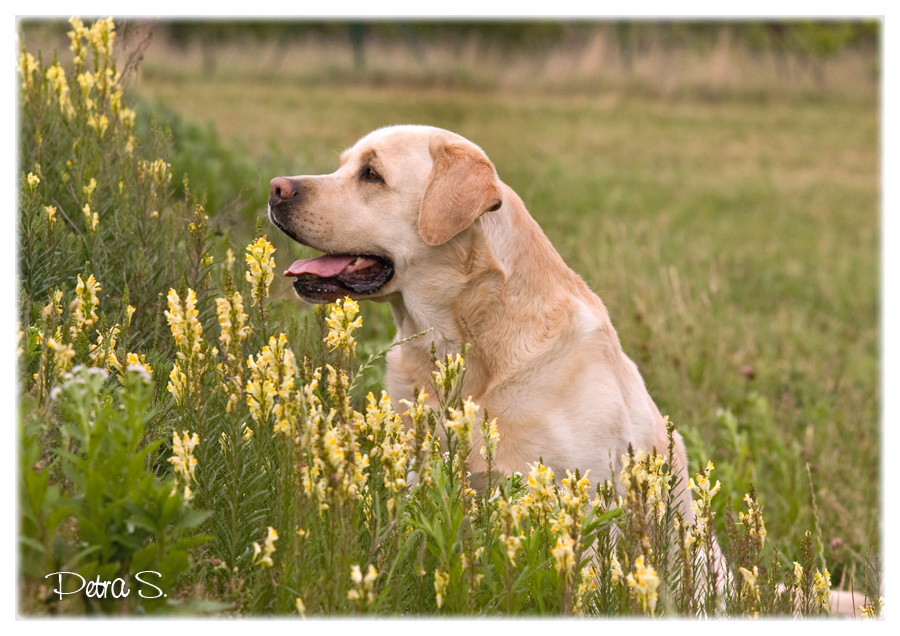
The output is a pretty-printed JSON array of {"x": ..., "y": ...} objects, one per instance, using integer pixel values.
[{"x": 504, "y": 283}]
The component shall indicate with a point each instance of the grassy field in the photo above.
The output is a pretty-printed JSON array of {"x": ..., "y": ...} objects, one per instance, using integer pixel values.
[
  {"x": 735, "y": 242},
  {"x": 728, "y": 217}
]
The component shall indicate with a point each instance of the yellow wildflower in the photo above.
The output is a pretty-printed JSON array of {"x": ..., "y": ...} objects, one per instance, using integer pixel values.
[
  {"x": 56, "y": 77},
  {"x": 271, "y": 374},
  {"x": 513, "y": 543},
  {"x": 564, "y": 555},
  {"x": 615, "y": 569},
  {"x": 178, "y": 383},
  {"x": 751, "y": 586},
  {"x": 441, "y": 579},
  {"x": 462, "y": 421},
  {"x": 363, "y": 591},
  {"x": 51, "y": 214},
  {"x": 27, "y": 68},
  {"x": 822, "y": 591},
  {"x": 33, "y": 181},
  {"x": 870, "y": 611},
  {"x": 267, "y": 550},
  {"x": 129, "y": 312},
  {"x": 186, "y": 328},
  {"x": 232, "y": 320},
  {"x": 798, "y": 574},
  {"x": 647, "y": 483},
  {"x": 342, "y": 321},
  {"x": 76, "y": 45},
  {"x": 643, "y": 583},
  {"x": 301, "y": 608},
  {"x": 183, "y": 460},
  {"x": 540, "y": 495},
  {"x": 753, "y": 521},
  {"x": 260, "y": 267},
  {"x": 53, "y": 307},
  {"x": 491, "y": 436},
  {"x": 133, "y": 362},
  {"x": 62, "y": 354},
  {"x": 87, "y": 81},
  {"x": 85, "y": 304},
  {"x": 701, "y": 504},
  {"x": 89, "y": 189},
  {"x": 97, "y": 352},
  {"x": 99, "y": 124},
  {"x": 101, "y": 36},
  {"x": 91, "y": 219},
  {"x": 449, "y": 373}
]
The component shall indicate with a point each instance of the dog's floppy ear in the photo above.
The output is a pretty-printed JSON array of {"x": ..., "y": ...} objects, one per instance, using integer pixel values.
[{"x": 463, "y": 186}]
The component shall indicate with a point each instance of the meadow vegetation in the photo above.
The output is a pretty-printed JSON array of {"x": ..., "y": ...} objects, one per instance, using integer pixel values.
[{"x": 179, "y": 413}]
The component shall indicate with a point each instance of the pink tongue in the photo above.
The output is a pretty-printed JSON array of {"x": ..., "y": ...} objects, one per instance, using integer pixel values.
[{"x": 328, "y": 266}]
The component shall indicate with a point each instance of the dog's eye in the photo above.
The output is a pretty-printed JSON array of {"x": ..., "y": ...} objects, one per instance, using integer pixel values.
[{"x": 368, "y": 174}]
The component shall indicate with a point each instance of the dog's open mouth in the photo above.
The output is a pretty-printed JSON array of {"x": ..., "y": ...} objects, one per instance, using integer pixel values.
[{"x": 330, "y": 277}]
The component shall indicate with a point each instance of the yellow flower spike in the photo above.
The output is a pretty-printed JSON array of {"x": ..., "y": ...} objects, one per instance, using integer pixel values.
[
  {"x": 86, "y": 81},
  {"x": 342, "y": 321},
  {"x": 51, "y": 214},
  {"x": 491, "y": 436},
  {"x": 27, "y": 68},
  {"x": 133, "y": 362},
  {"x": 183, "y": 461},
  {"x": 564, "y": 555},
  {"x": 869, "y": 611},
  {"x": 33, "y": 181},
  {"x": 260, "y": 268},
  {"x": 643, "y": 583},
  {"x": 751, "y": 586},
  {"x": 441, "y": 579},
  {"x": 53, "y": 307},
  {"x": 462, "y": 421},
  {"x": 271, "y": 375},
  {"x": 615, "y": 568},
  {"x": 798, "y": 574},
  {"x": 395, "y": 452},
  {"x": 184, "y": 323},
  {"x": 100, "y": 125},
  {"x": 62, "y": 354},
  {"x": 91, "y": 219},
  {"x": 753, "y": 521},
  {"x": 89, "y": 189},
  {"x": 267, "y": 550},
  {"x": 301, "y": 608},
  {"x": 822, "y": 591},
  {"x": 85, "y": 304},
  {"x": 540, "y": 496},
  {"x": 232, "y": 320},
  {"x": 98, "y": 352},
  {"x": 56, "y": 77},
  {"x": 363, "y": 592},
  {"x": 448, "y": 373}
]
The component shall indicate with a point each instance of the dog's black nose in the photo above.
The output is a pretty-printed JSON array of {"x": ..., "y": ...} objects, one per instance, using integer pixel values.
[{"x": 282, "y": 189}]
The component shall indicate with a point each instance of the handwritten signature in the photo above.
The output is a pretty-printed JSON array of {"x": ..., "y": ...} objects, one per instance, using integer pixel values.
[{"x": 117, "y": 588}]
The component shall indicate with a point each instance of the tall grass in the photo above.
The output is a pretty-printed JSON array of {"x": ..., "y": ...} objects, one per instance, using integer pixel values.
[{"x": 175, "y": 419}]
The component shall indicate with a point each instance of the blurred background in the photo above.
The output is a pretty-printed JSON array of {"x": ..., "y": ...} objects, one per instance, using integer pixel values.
[{"x": 716, "y": 183}]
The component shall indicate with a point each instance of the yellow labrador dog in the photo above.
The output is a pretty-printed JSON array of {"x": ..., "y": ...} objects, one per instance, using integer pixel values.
[{"x": 417, "y": 217}]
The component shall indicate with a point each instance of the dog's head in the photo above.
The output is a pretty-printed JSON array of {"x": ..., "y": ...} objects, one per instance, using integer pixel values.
[{"x": 398, "y": 195}]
